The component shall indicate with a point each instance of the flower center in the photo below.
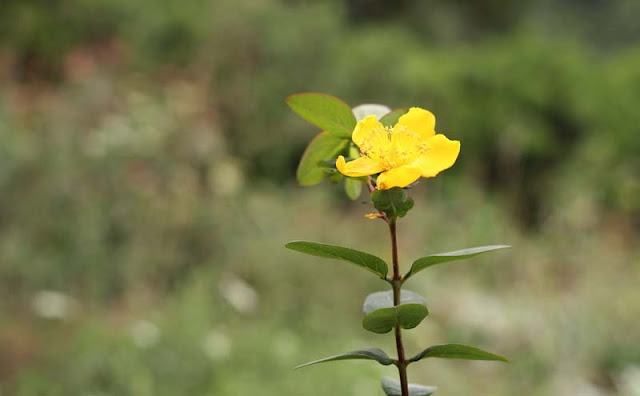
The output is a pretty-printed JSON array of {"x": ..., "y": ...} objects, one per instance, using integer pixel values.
[{"x": 393, "y": 147}]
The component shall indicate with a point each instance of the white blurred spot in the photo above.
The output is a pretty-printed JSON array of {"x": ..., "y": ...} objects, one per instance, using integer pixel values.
[
  {"x": 239, "y": 294},
  {"x": 50, "y": 304},
  {"x": 217, "y": 345},
  {"x": 571, "y": 386},
  {"x": 144, "y": 333},
  {"x": 368, "y": 109},
  {"x": 628, "y": 381}
]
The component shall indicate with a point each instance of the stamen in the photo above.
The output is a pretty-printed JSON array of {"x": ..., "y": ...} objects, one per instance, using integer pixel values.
[{"x": 393, "y": 147}]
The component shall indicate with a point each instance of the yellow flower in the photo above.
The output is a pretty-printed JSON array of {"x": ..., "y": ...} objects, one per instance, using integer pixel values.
[{"x": 401, "y": 154}]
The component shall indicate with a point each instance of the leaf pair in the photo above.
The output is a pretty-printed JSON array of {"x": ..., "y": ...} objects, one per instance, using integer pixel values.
[
  {"x": 393, "y": 202},
  {"x": 392, "y": 387},
  {"x": 381, "y": 316},
  {"x": 337, "y": 121},
  {"x": 378, "y": 266},
  {"x": 444, "y": 351}
]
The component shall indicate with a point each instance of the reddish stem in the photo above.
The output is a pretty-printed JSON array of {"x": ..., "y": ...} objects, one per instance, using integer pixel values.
[{"x": 396, "y": 283}]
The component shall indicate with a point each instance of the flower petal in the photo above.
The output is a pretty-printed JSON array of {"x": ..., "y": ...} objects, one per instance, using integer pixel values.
[
  {"x": 363, "y": 129},
  {"x": 441, "y": 155},
  {"x": 420, "y": 121},
  {"x": 363, "y": 166},
  {"x": 401, "y": 176}
]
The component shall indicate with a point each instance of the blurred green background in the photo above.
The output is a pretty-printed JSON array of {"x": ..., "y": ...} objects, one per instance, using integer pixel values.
[{"x": 147, "y": 188}]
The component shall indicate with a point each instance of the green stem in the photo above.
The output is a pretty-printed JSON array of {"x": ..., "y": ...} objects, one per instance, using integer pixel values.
[{"x": 396, "y": 283}]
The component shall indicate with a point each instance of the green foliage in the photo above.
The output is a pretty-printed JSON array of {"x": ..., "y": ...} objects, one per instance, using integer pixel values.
[
  {"x": 367, "y": 354},
  {"x": 353, "y": 185},
  {"x": 457, "y": 351},
  {"x": 392, "y": 117},
  {"x": 393, "y": 202},
  {"x": 428, "y": 261},
  {"x": 383, "y": 320},
  {"x": 365, "y": 260},
  {"x": 324, "y": 111},
  {"x": 323, "y": 147},
  {"x": 391, "y": 387}
]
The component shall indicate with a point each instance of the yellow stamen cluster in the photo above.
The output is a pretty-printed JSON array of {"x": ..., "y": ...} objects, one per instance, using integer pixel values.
[
  {"x": 393, "y": 147},
  {"x": 402, "y": 154}
]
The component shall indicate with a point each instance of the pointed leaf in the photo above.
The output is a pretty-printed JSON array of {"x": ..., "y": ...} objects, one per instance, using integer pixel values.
[
  {"x": 364, "y": 110},
  {"x": 324, "y": 111},
  {"x": 365, "y": 260},
  {"x": 383, "y": 320},
  {"x": 384, "y": 299},
  {"x": 394, "y": 202},
  {"x": 323, "y": 147},
  {"x": 439, "y": 258},
  {"x": 392, "y": 387},
  {"x": 391, "y": 118},
  {"x": 367, "y": 354},
  {"x": 457, "y": 351}
]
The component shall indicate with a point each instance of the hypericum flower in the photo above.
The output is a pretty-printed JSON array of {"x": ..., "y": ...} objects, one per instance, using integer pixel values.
[{"x": 401, "y": 154}]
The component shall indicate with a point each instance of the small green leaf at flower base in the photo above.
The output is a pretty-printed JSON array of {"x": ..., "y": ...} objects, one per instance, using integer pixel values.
[
  {"x": 362, "y": 354},
  {"x": 365, "y": 260},
  {"x": 394, "y": 202},
  {"x": 335, "y": 178},
  {"x": 391, "y": 387},
  {"x": 384, "y": 299},
  {"x": 457, "y": 351},
  {"x": 323, "y": 147},
  {"x": 391, "y": 118},
  {"x": 384, "y": 320},
  {"x": 352, "y": 185},
  {"x": 439, "y": 258},
  {"x": 324, "y": 111}
]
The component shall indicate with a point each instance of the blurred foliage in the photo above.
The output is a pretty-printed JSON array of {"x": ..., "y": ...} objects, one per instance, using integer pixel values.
[{"x": 147, "y": 159}]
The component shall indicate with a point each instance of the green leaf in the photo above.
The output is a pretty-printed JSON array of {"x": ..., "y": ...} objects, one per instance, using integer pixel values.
[
  {"x": 439, "y": 258},
  {"x": 367, "y": 354},
  {"x": 391, "y": 119},
  {"x": 352, "y": 185},
  {"x": 364, "y": 110},
  {"x": 365, "y": 260},
  {"x": 391, "y": 387},
  {"x": 324, "y": 111},
  {"x": 383, "y": 320},
  {"x": 384, "y": 299},
  {"x": 394, "y": 202},
  {"x": 457, "y": 351},
  {"x": 323, "y": 147}
]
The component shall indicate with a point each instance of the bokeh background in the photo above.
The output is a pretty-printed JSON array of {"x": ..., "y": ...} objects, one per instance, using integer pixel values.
[{"x": 147, "y": 188}]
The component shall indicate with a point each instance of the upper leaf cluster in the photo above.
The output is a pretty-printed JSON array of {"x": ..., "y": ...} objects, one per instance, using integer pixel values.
[{"x": 337, "y": 120}]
